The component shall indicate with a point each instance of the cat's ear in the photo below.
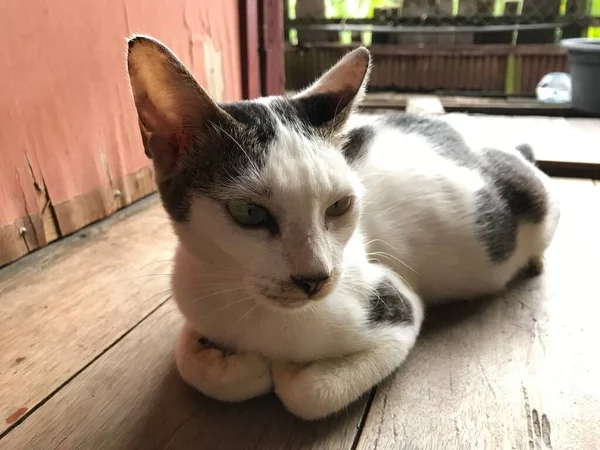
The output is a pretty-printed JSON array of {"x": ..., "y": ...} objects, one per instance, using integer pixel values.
[
  {"x": 172, "y": 108},
  {"x": 329, "y": 101}
]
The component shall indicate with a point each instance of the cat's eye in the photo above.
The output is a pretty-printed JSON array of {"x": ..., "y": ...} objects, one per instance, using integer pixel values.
[
  {"x": 247, "y": 214},
  {"x": 340, "y": 207}
]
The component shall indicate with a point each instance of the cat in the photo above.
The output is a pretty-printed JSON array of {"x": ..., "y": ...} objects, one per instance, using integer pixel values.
[{"x": 311, "y": 237}]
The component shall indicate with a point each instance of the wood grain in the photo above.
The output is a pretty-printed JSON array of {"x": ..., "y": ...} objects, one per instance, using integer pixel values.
[
  {"x": 513, "y": 372},
  {"x": 65, "y": 305},
  {"x": 559, "y": 143},
  {"x": 133, "y": 398}
]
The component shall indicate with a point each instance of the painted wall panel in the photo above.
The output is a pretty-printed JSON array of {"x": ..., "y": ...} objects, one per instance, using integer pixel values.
[{"x": 70, "y": 150}]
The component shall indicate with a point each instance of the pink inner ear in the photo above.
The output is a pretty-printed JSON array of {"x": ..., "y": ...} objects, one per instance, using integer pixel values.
[{"x": 152, "y": 119}]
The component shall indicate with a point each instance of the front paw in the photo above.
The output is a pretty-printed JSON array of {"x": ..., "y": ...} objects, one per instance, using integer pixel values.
[
  {"x": 220, "y": 374},
  {"x": 310, "y": 391}
]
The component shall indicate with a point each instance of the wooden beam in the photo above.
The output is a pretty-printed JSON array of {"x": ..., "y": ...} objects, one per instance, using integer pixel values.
[
  {"x": 272, "y": 47},
  {"x": 249, "y": 48}
]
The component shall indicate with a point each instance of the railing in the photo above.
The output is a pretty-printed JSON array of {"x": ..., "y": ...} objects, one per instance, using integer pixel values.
[{"x": 488, "y": 47}]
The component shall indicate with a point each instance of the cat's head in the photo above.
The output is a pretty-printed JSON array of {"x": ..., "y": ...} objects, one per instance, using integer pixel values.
[{"x": 258, "y": 188}]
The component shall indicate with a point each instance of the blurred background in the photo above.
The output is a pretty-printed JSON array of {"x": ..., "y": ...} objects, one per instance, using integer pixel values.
[{"x": 474, "y": 47}]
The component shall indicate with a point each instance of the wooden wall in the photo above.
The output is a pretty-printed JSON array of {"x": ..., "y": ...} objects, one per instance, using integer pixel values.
[{"x": 70, "y": 150}]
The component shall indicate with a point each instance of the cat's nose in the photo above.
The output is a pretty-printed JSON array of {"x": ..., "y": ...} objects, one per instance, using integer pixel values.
[{"x": 310, "y": 285}]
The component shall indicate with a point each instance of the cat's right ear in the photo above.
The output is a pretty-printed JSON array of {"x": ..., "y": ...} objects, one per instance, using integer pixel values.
[{"x": 172, "y": 107}]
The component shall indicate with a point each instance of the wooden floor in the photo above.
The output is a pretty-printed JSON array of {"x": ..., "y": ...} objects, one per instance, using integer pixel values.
[{"x": 87, "y": 331}]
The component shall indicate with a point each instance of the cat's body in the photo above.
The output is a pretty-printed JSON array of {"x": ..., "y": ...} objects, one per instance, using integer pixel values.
[
  {"x": 444, "y": 209},
  {"x": 310, "y": 238}
]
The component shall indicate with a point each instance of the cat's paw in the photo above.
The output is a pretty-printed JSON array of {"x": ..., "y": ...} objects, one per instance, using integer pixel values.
[
  {"x": 310, "y": 391},
  {"x": 220, "y": 374}
]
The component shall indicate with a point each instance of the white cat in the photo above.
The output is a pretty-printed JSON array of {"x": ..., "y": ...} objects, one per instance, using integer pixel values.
[{"x": 310, "y": 237}]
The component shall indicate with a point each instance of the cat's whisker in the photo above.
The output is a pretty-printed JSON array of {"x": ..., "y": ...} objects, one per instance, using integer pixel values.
[
  {"x": 213, "y": 285},
  {"x": 393, "y": 248},
  {"x": 155, "y": 262},
  {"x": 228, "y": 305},
  {"x": 389, "y": 258},
  {"x": 157, "y": 294},
  {"x": 150, "y": 275},
  {"x": 400, "y": 296},
  {"x": 224, "y": 291},
  {"x": 247, "y": 314}
]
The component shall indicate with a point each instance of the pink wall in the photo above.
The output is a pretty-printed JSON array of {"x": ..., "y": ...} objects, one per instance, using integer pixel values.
[{"x": 67, "y": 121}]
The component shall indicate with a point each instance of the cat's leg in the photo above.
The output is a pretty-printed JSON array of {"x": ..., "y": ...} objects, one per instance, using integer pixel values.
[
  {"x": 220, "y": 374},
  {"x": 318, "y": 389}
]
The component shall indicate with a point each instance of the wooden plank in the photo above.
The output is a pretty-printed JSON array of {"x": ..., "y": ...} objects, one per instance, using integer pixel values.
[
  {"x": 249, "y": 49},
  {"x": 272, "y": 47},
  {"x": 132, "y": 398},
  {"x": 553, "y": 138},
  {"x": 462, "y": 103},
  {"x": 562, "y": 146},
  {"x": 58, "y": 220},
  {"x": 424, "y": 104},
  {"x": 63, "y": 306},
  {"x": 516, "y": 371}
]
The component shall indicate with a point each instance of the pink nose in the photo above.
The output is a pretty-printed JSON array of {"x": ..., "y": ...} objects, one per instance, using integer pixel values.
[{"x": 310, "y": 285}]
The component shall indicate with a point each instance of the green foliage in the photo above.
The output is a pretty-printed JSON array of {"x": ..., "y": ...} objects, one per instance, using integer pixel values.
[{"x": 356, "y": 8}]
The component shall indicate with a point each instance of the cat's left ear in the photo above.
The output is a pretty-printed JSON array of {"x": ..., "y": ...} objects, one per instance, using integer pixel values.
[{"x": 329, "y": 101}]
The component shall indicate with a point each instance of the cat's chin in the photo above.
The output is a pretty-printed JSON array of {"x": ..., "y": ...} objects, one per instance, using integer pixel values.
[{"x": 287, "y": 304}]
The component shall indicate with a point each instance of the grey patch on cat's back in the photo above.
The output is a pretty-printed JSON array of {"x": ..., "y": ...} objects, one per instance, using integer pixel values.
[
  {"x": 220, "y": 153},
  {"x": 496, "y": 226},
  {"x": 388, "y": 305},
  {"x": 513, "y": 194},
  {"x": 517, "y": 184},
  {"x": 356, "y": 143},
  {"x": 446, "y": 141}
]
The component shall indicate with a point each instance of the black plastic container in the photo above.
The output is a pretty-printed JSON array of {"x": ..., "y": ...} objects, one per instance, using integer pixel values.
[{"x": 584, "y": 62}]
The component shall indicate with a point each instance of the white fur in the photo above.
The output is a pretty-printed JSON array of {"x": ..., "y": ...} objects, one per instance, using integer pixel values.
[
  {"x": 416, "y": 217},
  {"x": 413, "y": 211},
  {"x": 419, "y": 209}
]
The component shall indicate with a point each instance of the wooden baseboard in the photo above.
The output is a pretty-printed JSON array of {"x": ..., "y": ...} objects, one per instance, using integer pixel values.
[{"x": 33, "y": 232}]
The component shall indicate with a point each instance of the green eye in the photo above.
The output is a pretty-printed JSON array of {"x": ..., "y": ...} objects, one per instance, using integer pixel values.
[
  {"x": 247, "y": 213},
  {"x": 340, "y": 207}
]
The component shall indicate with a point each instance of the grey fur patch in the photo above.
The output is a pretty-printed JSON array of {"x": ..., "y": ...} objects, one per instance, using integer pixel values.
[
  {"x": 319, "y": 114},
  {"x": 513, "y": 194},
  {"x": 214, "y": 159},
  {"x": 444, "y": 138},
  {"x": 387, "y": 305},
  {"x": 356, "y": 143},
  {"x": 496, "y": 226},
  {"x": 517, "y": 184}
]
